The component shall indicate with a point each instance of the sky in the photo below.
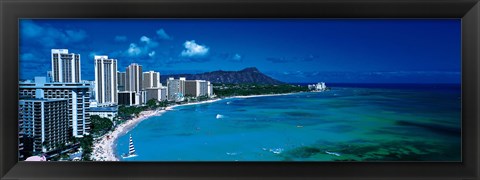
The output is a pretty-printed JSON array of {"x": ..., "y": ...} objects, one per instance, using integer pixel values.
[{"x": 290, "y": 50}]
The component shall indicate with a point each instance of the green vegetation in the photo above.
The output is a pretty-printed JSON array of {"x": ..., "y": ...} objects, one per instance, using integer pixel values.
[
  {"x": 86, "y": 144},
  {"x": 128, "y": 112},
  {"x": 190, "y": 98},
  {"x": 226, "y": 90},
  {"x": 100, "y": 126},
  {"x": 154, "y": 104}
]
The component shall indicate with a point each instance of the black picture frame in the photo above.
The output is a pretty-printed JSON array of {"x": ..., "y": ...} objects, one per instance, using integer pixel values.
[{"x": 467, "y": 10}]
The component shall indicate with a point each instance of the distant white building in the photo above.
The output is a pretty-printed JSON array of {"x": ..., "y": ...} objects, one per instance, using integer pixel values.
[
  {"x": 210, "y": 89},
  {"x": 176, "y": 89},
  {"x": 318, "y": 87},
  {"x": 159, "y": 94},
  {"x": 105, "y": 81},
  {"x": 104, "y": 112},
  {"x": 196, "y": 88},
  {"x": 65, "y": 66},
  {"x": 151, "y": 79},
  {"x": 134, "y": 78}
]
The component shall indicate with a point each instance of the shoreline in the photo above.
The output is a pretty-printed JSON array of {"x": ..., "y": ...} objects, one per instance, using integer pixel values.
[
  {"x": 104, "y": 147},
  {"x": 261, "y": 95}
]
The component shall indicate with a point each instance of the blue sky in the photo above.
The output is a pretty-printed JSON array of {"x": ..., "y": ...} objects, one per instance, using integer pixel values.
[{"x": 331, "y": 50}]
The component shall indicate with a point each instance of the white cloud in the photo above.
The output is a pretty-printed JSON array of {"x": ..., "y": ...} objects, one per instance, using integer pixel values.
[
  {"x": 145, "y": 39},
  {"x": 134, "y": 50},
  {"x": 142, "y": 49},
  {"x": 151, "y": 54},
  {"x": 194, "y": 50},
  {"x": 163, "y": 35},
  {"x": 120, "y": 38},
  {"x": 48, "y": 36},
  {"x": 237, "y": 57}
]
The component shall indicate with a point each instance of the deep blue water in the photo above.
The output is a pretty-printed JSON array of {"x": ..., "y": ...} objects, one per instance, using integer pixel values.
[{"x": 363, "y": 123}]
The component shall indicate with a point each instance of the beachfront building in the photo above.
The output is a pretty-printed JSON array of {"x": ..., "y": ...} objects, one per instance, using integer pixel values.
[
  {"x": 210, "y": 89},
  {"x": 65, "y": 66},
  {"x": 129, "y": 98},
  {"x": 105, "y": 81},
  {"x": 175, "y": 89},
  {"x": 151, "y": 79},
  {"x": 159, "y": 93},
  {"x": 317, "y": 87},
  {"x": 134, "y": 78},
  {"x": 134, "y": 84},
  {"x": 77, "y": 95},
  {"x": 121, "y": 81},
  {"x": 104, "y": 112},
  {"x": 196, "y": 88},
  {"x": 43, "y": 125}
]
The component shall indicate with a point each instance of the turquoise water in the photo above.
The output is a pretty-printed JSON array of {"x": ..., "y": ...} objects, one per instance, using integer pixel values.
[{"x": 343, "y": 124}]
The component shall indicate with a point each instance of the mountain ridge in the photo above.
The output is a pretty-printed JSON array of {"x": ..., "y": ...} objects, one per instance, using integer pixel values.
[{"x": 246, "y": 75}]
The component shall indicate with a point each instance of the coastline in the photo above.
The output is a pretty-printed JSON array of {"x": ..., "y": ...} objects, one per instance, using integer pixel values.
[
  {"x": 262, "y": 95},
  {"x": 104, "y": 146}
]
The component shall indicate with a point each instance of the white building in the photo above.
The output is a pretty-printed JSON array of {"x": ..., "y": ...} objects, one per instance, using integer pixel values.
[
  {"x": 65, "y": 66},
  {"x": 151, "y": 79},
  {"x": 105, "y": 81},
  {"x": 317, "y": 87},
  {"x": 196, "y": 88},
  {"x": 159, "y": 94},
  {"x": 104, "y": 112},
  {"x": 77, "y": 94},
  {"x": 133, "y": 78},
  {"x": 176, "y": 89},
  {"x": 210, "y": 89}
]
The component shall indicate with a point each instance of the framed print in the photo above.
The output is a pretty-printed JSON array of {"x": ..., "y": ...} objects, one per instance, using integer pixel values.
[{"x": 311, "y": 89}]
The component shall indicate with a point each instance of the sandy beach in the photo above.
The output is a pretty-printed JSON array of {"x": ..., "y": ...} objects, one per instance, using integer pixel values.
[{"x": 103, "y": 147}]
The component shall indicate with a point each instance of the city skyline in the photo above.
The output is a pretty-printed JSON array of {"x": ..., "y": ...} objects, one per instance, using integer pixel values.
[
  {"x": 379, "y": 51},
  {"x": 84, "y": 91}
]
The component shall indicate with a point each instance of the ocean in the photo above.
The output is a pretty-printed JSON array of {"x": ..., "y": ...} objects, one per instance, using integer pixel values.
[{"x": 374, "y": 122}]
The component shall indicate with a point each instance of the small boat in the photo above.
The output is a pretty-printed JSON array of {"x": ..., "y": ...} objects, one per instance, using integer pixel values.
[{"x": 131, "y": 150}]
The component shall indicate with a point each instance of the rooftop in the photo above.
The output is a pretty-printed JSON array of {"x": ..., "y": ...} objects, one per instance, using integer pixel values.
[{"x": 104, "y": 109}]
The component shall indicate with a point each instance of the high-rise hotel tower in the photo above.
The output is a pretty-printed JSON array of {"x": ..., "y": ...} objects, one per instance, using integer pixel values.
[
  {"x": 151, "y": 79},
  {"x": 65, "y": 66},
  {"x": 134, "y": 78},
  {"x": 176, "y": 89},
  {"x": 76, "y": 94},
  {"x": 43, "y": 124},
  {"x": 105, "y": 81}
]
